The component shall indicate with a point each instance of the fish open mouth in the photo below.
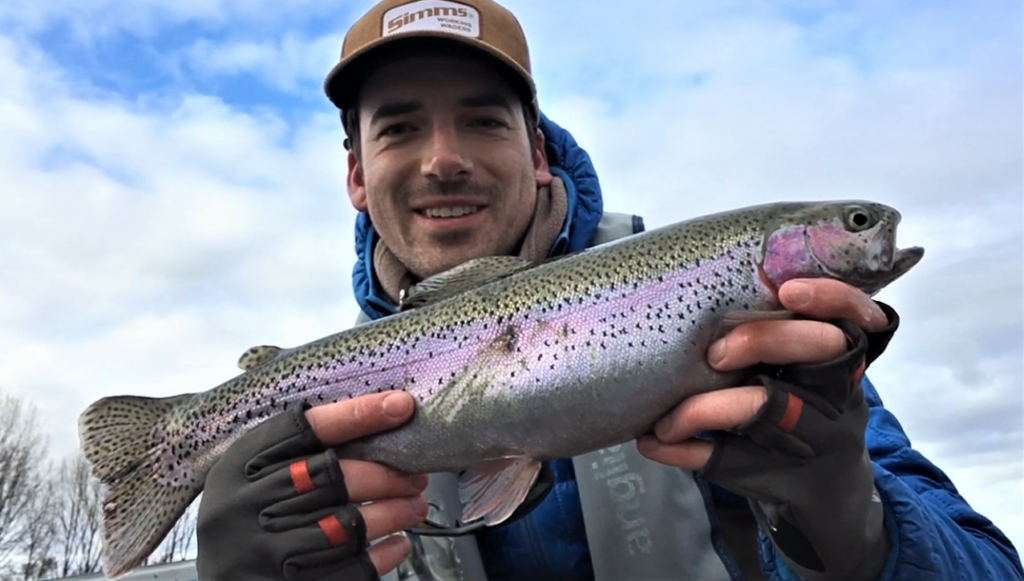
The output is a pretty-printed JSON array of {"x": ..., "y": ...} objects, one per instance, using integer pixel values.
[
  {"x": 904, "y": 259},
  {"x": 882, "y": 264}
]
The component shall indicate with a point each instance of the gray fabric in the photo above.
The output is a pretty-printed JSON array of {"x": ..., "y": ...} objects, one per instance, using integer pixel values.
[
  {"x": 644, "y": 521},
  {"x": 614, "y": 226}
]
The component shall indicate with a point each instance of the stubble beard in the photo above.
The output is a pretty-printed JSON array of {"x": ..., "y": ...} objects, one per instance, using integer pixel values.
[{"x": 465, "y": 245}]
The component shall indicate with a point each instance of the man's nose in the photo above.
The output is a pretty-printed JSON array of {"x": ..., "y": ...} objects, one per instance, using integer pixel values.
[{"x": 445, "y": 158}]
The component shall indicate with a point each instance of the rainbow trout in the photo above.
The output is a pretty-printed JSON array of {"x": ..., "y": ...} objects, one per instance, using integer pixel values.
[{"x": 511, "y": 363}]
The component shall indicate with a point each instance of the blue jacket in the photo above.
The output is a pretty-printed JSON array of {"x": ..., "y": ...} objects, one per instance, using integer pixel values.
[{"x": 934, "y": 533}]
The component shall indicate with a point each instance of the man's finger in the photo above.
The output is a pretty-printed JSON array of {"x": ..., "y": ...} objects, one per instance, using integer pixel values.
[
  {"x": 690, "y": 454},
  {"x": 825, "y": 299},
  {"x": 716, "y": 410},
  {"x": 368, "y": 481},
  {"x": 777, "y": 343},
  {"x": 390, "y": 516},
  {"x": 340, "y": 422},
  {"x": 389, "y": 553}
]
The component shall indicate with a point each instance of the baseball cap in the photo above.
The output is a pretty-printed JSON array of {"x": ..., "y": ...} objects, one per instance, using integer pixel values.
[{"x": 482, "y": 25}]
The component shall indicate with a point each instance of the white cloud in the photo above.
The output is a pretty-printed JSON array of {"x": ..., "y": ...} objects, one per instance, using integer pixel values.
[
  {"x": 162, "y": 241},
  {"x": 291, "y": 64}
]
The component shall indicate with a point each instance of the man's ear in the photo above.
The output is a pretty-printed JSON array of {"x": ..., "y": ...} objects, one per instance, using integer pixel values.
[
  {"x": 540, "y": 160},
  {"x": 356, "y": 183}
]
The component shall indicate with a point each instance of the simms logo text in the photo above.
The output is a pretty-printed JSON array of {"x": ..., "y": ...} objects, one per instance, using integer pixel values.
[
  {"x": 409, "y": 17},
  {"x": 437, "y": 15}
]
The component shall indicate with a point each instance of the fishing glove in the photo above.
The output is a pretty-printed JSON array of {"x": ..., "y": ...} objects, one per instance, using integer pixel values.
[
  {"x": 803, "y": 465},
  {"x": 275, "y": 507}
]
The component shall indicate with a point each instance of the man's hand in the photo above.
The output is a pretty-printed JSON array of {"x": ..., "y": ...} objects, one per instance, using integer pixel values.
[
  {"x": 280, "y": 505},
  {"x": 772, "y": 342},
  {"x": 391, "y": 501},
  {"x": 793, "y": 444}
]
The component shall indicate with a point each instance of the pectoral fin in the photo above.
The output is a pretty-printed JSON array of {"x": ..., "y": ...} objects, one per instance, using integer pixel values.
[{"x": 493, "y": 490}]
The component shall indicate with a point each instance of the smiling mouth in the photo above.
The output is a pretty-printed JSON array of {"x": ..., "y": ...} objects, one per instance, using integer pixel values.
[{"x": 449, "y": 211}]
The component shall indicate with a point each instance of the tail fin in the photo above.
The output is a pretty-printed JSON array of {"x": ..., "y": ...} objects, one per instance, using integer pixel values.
[{"x": 145, "y": 491}]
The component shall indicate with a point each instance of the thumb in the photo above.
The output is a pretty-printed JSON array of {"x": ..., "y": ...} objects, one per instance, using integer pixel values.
[{"x": 342, "y": 421}]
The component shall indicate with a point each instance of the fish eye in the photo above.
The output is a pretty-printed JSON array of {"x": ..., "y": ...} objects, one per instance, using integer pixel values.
[{"x": 858, "y": 218}]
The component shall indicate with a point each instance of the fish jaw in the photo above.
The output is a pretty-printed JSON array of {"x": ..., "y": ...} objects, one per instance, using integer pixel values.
[{"x": 867, "y": 259}]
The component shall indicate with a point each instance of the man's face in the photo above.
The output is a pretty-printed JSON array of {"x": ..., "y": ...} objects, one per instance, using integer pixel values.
[{"x": 447, "y": 170}]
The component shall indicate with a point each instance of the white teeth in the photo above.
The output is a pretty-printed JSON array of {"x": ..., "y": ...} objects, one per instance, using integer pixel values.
[{"x": 453, "y": 212}]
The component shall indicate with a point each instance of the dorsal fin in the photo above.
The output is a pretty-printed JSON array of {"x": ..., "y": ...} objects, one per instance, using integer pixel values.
[
  {"x": 467, "y": 276},
  {"x": 256, "y": 356}
]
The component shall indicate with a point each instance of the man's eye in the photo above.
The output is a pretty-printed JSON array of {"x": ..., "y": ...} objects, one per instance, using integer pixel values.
[
  {"x": 395, "y": 129},
  {"x": 489, "y": 123}
]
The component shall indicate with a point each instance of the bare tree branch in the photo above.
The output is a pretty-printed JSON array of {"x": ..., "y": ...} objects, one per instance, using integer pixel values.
[
  {"x": 78, "y": 518},
  {"x": 180, "y": 540},
  {"x": 23, "y": 467},
  {"x": 38, "y": 544}
]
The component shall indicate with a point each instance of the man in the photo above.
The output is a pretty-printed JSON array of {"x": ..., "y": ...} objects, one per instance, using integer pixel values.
[{"x": 449, "y": 160}]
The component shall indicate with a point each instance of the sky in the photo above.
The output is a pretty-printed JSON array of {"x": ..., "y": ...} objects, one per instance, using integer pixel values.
[{"x": 172, "y": 182}]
